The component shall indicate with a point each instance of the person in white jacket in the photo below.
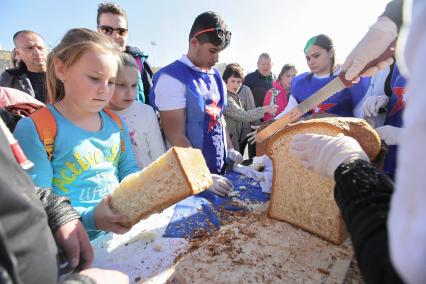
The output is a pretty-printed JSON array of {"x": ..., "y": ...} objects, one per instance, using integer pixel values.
[
  {"x": 406, "y": 222},
  {"x": 145, "y": 133}
]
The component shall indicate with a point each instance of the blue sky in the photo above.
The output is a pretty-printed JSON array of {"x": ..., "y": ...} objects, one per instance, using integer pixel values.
[{"x": 161, "y": 27}]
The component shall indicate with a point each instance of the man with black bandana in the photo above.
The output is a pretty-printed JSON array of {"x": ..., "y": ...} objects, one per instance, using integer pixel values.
[{"x": 30, "y": 75}]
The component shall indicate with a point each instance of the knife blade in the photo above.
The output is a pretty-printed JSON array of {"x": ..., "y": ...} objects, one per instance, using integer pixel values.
[{"x": 334, "y": 86}]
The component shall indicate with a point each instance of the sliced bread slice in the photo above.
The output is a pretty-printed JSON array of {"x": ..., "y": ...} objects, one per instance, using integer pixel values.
[
  {"x": 301, "y": 196},
  {"x": 177, "y": 174}
]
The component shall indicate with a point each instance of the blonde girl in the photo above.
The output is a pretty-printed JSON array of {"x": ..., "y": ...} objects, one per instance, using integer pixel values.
[{"x": 88, "y": 160}]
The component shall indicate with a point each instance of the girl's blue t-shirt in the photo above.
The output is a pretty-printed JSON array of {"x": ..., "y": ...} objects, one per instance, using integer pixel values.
[{"x": 86, "y": 165}]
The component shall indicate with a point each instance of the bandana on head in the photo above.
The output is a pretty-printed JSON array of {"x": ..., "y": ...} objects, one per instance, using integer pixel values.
[
  {"x": 310, "y": 43},
  {"x": 320, "y": 40}
]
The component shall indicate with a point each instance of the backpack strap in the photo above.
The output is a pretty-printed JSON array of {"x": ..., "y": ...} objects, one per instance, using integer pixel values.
[
  {"x": 45, "y": 124},
  {"x": 117, "y": 120}
]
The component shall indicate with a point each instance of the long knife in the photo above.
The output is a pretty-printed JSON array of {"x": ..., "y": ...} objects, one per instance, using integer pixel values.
[{"x": 334, "y": 86}]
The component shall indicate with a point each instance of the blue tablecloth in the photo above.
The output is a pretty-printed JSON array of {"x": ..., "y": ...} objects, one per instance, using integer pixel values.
[{"x": 200, "y": 212}]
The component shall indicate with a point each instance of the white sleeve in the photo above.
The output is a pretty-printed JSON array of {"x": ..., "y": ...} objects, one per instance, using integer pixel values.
[
  {"x": 376, "y": 88},
  {"x": 407, "y": 222},
  {"x": 155, "y": 139},
  {"x": 291, "y": 104},
  {"x": 358, "y": 110},
  {"x": 169, "y": 93}
]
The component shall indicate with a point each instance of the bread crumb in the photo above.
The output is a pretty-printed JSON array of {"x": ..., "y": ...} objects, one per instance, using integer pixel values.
[
  {"x": 158, "y": 247},
  {"x": 147, "y": 237},
  {"x": 233, "y": 193}
]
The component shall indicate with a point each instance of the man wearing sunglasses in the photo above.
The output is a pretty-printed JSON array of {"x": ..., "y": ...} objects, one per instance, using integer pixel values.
[
  {"x": 191, "y": 97},
  {"x": 112, "y": 21}
]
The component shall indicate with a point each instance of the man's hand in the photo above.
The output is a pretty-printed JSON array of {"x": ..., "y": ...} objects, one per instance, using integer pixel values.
[
  {"x": 270, "y": 109},
  {"x": 323, "y": 154},
  {"x": 372, "y": 45},
  {"x": 73, "y": 240},
  {"x": 389, "y": 134},
  {"x": 252, "y": 135},
  {"x": 235, "y": 156},
  {"x": 107, "y": 220},
  {"x": 373, "y": 104},
  {"x": 221, "y": 185}
]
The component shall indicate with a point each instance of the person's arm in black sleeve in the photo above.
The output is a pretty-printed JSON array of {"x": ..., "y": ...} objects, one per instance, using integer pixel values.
[
  {"x": 394, "y": 12},
  {"x": 58, "y": 208},
  {"x": 363, "y": 195}
]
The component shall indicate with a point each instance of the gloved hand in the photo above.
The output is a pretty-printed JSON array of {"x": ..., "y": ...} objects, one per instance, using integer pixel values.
[
  {"x": 252, "y": 135},
  {"x": 235, "y": 156},
  {"x": 371, "y": 46},
  {"x": 323, "y": 153},
  {"x": 221, "y": 185},
  {"x": 373, "y": 104},
  {"x": 390, "y": 134}
]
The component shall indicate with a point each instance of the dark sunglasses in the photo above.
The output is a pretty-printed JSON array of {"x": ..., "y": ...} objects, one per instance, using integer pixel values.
[
  {"x": 108, "y": 30},
  {"x": 221, "y": 33}
]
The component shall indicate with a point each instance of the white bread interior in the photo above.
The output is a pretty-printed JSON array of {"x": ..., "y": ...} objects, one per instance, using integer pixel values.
[
  {"x": 177, "y": 174},
  {"x": 301, "y": 196}
]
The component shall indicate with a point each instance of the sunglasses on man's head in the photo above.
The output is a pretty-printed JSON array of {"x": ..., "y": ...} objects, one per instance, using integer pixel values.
[
  {"x": 221, "y": 33},
  {"x": 108, "y": 30}
]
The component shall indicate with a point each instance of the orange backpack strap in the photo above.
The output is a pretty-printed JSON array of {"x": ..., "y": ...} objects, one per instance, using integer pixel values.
[
  {"x": 117, "y": 120},
  {"x": 45, "y": 124}
]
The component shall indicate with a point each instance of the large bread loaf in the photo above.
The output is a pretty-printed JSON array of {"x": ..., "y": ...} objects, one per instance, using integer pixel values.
[
  {"x": 301, "y": 196},
  {"x": 177, "y": 174}
]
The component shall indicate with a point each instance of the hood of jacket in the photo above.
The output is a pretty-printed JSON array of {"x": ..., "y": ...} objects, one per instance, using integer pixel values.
[{"x": 134, "y": 51}]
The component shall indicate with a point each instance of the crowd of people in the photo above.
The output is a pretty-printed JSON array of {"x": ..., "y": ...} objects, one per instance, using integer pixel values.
[{"x": 95, "y": 113}]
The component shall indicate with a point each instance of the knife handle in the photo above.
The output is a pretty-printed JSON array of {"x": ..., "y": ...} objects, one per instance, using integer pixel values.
[{"x": 389, "y": 52}]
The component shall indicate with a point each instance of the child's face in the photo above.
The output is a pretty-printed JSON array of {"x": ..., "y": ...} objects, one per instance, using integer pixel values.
[
  {"x": 287, "y": 77},
  {"x": 125, "y": 88},
  {"x": 233, "y": 84},
  {"x": 89, "y": 82}
]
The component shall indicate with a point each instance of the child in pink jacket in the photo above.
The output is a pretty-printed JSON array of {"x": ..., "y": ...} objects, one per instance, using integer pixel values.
[{"x": 280, "y": 91}]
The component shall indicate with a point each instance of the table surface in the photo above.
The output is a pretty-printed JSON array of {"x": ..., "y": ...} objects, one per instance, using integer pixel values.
[
  {"x": 142, "y": 253},
  {"x": 145, "y": 254}
]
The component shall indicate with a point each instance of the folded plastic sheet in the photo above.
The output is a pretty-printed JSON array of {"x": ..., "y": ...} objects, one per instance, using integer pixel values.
[{"x": 200, "y": 213}]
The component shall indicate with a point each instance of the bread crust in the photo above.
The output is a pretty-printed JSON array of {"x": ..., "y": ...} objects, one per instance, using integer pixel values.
[{"x": 357, "y": 128}]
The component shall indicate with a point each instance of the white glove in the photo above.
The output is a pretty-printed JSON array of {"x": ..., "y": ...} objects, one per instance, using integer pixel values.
[
  {"x": 323, "y": 153},
  {"x": 373, "y": 104},
  {"x": 390, "y": 134},
  {"x": 235, "y": 156},
  {"x": 252, "y": 135},
  {"x": 221, "y": 185},
  {"x": 371, "y": 46}
]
